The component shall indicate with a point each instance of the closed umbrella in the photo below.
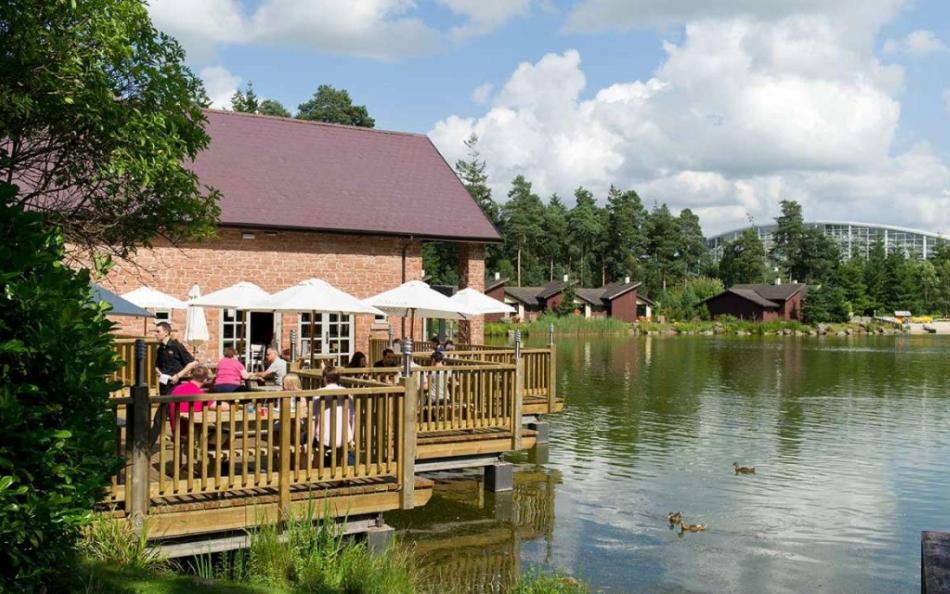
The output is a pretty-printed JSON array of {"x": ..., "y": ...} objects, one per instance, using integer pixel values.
[
  {"x": 416, "y": 298},
  {"x": 480, "y": 302},
  {"x": 196, "y": 327},
  {"x": 315, "y": 295}
]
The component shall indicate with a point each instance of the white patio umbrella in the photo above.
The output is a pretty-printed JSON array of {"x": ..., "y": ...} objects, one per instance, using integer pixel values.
[
  {"x": 315, "y": 295},
  {"x": 196, "y": 327},
  {"x": 243, "y": 296},
  {"x": 150, "y": 298},
  {"x": 416, "y": 298},
  {"x": 480, "y": 302}
]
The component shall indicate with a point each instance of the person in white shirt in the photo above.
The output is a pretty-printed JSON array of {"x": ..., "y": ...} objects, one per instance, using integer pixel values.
[{"x": 337, "y": 414}]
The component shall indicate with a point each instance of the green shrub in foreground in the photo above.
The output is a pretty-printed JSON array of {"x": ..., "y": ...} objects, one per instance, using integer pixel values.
[{"x": 55, "y": 355}]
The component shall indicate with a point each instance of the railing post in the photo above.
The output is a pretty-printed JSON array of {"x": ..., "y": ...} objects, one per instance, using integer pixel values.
[
  {"x": 293, "y": 346},
  {"x": 407, "y": 462},
  {"x": 552, "y": 371},
  {"x": 283, "y": 479},
  {"x": 408, "y": 458},
  {"x": 138, "y": 422},
  {"x": 518, "y": 396}
]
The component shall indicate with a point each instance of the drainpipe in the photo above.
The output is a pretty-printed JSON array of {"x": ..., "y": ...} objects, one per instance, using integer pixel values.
[{"x": 405, "y": 248}]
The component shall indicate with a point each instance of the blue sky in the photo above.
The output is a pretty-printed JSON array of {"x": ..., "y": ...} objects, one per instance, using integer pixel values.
[{"x": 725, "y": 107}]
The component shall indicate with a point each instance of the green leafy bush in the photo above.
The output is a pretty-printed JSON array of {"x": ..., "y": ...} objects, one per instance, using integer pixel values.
[{"x": 55, "y": 354}]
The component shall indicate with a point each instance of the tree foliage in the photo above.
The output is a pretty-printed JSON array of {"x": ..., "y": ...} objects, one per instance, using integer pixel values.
[
  {"x": 98, "y": 114},
  {"x": 336, "y": 107},
  {"x": 743, "y": 260},
  {"x": 247, "y": 101},
  {"x": 57, "y": 444}
]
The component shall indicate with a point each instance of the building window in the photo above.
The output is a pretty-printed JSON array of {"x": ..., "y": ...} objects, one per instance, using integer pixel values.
[
  {"x": 332, "y": 335},
  {"x": 163, "y": 315},
  {"x": 232, "y": 322}
]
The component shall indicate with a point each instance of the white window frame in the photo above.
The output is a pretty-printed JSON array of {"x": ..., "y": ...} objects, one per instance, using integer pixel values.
[
  {"x": 235, "y": 339},
  {"x": 323, "y": 340}
]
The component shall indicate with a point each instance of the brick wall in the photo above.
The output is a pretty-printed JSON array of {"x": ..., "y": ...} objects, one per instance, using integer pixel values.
[
  {"x": 361, "y": 265},
  {"x": 472, "y": 275}
]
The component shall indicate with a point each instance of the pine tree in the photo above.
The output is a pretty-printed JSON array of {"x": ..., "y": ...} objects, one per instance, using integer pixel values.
[
  {"x": 626, "y": 218},
  {"x": 692, "y": 247},
  {"x": 472, "y": 173},
  {"x": 787, "y": 240},
  {"x": 585, "y": 227},
  {"x": 743, "y": 260},
  {"x": 663, "y": 242},
  {"x": 523, "y": 217},
  {"x": 555, "y": 245},
  {"x": 245, "y": 101}
]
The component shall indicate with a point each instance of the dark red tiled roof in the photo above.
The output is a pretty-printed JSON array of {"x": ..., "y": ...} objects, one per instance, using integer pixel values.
[{"x": 293, "y": 174}]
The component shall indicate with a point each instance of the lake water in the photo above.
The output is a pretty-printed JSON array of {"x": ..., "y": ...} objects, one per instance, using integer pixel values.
[{"x": 850, "y": 438}]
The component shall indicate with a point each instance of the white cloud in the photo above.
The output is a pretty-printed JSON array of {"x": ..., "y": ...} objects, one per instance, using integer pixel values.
[
  {"x": 599, "y": 15},
  {"x": 482, "y": 92},
  {"x": 200, "y": 25},
  {"x": 379, "y": 29},
  {"x": 220, "y": 85},
  {"x": 382, "y": 29},
  {"x": 741, "y": 114},
  {"x": 920, "y": 42},
  {"x": 484, "y": 16}
]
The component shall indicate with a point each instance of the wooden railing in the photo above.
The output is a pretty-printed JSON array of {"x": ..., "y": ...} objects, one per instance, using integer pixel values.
[
  {"x": 462, "y": 395},
  {"x": 125, "y": 351},
  {"x": 261, "y": 440}
]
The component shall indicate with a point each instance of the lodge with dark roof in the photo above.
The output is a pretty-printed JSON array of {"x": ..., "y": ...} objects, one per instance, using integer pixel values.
[
  {"x": 621, "y": 300},
  {"x": 350, "y": 205},
  {"x": 759, "y": 302}
]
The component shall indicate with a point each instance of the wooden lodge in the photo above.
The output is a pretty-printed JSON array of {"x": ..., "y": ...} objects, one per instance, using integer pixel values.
[
  {"x": 759, "y": 302},
  {"x": 622, "y": 300}
]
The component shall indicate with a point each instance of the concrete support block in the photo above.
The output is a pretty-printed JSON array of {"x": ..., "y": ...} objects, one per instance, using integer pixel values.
[
  {"x": 539, "y": 454},
  {"x": 543, "y": 430},
  {"x": 502, "y": 505},
  {"x": 378, "y": 538},
  {"x": 499, "y": 476}
]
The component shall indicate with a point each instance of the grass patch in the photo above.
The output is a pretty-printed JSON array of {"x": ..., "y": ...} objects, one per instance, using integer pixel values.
[
  {"x": 538, "y": 582},
  {"x": 562, "y": 325}
]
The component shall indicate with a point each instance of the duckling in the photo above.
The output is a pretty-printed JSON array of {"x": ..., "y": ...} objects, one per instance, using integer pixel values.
[
  {"x": 674, "y": 518},
  {"x": 743, "y": 469},
  {"x": 687, "y": 527}
]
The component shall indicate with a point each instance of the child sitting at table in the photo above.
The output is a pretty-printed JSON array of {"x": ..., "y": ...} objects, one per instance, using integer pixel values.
[{"x": 192, "y": 387}]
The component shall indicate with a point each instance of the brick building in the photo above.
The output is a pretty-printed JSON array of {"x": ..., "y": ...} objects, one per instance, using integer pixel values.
[
  {"x": 759, "y": 302},
  {"x": 352, "y": 206}
]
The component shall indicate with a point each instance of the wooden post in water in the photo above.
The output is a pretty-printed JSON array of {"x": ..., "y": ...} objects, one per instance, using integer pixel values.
[
  {"x": 138, "y": 423},
  {"x": 552, "y": 371},
  {"x": 283, "y": 479},
  {"x": 407, "y": 462},
  {"x": 519, "y": 395}
]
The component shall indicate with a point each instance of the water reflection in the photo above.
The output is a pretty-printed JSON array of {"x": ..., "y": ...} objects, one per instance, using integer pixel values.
[{"x": 467, "y": 540}]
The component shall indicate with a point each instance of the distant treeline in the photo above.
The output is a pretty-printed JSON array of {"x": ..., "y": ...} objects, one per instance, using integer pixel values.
[{"x": 596, "y": 244}]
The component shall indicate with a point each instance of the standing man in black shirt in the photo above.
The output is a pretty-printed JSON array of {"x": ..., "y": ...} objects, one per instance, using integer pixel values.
[{"x": 172, "y": 360}]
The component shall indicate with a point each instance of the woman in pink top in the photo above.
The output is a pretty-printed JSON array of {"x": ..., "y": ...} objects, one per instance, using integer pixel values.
[{"x": 231, "y": 373}]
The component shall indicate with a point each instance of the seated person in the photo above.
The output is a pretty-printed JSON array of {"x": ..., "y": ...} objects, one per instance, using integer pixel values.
[
  {"x": 231, "y": 373},
  {"x": 192, "y": 387},
  {"x": 334, "y": 409},
  {"x": 387, "y": 361},
  {"x": 276, "y": 368},
  {"x": 357, "y": 361},
  {"x": 448, "y": 345},
  {"x": 397, "y": 345}
]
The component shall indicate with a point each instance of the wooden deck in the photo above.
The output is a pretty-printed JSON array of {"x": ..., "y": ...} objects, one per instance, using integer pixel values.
[{"x": 256, "y": 457}]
